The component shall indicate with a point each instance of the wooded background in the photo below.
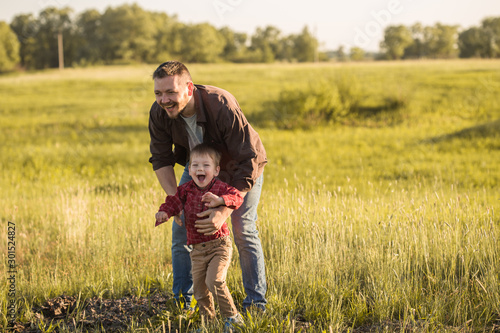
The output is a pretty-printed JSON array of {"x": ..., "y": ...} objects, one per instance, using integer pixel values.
[{"x": 130, "y": 34}]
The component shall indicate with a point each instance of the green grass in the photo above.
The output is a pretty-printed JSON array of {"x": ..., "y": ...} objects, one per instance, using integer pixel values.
[{"x": 385, "y": 221}]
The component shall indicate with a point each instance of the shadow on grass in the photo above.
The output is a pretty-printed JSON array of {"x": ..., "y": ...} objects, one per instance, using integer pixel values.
[
  {"x": 487, "y": 130},
  {"x": 277, "y": 114}
]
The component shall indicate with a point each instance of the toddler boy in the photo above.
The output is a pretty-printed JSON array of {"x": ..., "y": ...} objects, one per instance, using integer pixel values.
[{"x": 211, "y": 254}]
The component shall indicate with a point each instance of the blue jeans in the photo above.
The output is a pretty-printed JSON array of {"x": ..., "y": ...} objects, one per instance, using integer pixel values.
[
  {"x": 181, "y": 261},
  {"x": 246, "y": 237}
]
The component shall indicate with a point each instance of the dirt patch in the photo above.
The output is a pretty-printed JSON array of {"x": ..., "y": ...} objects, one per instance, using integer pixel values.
[
  {"x": 158, "y": 310},
  {"x": 109, "y": 315}
]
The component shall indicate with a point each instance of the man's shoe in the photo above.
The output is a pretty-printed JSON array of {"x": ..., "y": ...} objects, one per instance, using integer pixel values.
[{"x": 254, "y": 309}]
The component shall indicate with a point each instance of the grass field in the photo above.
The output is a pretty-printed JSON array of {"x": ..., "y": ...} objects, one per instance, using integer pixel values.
[{"x": 386, "y": 220}]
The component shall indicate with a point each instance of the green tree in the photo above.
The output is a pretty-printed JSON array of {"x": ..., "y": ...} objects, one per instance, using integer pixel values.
[
  {"x": 473, "y": 42},
  {"x": 89, "y": 37},
  {"x": 416, "y": 48},
  {"x": 201, "y": 43},
  {"x": 266, "y": 44},
  {"x": 9, "y": 48},
  {"x": 234, "y": 44},
  {"x": 491, "y": 28},
  {"x": 305, "y": 46},
  {"x": 396, "y": 40},
  {"x": 51, "y": 22},
  {"x": 168, "y": 37},
  {"x": 39, "y": 37},
  {"x": 441, "y": 41},
  {"x": 286, "y": 50},
  {"x": 357, "y": 54},
  {"x": 25, "y": 26},
  {"x": 341, "y": 55},
  {"x": 128, "y": 34}
]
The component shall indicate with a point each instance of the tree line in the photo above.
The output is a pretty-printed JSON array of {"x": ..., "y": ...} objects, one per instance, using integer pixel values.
[
  {"x": 442, "y": 41},
  {"x": 128, "y": 33}
]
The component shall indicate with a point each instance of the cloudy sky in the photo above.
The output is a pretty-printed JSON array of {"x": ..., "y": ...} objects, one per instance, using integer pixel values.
[{"x": 348, "y": 22}]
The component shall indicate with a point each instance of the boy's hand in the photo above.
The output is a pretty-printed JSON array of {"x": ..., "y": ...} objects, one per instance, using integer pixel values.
[
  {"x": 211, "y": 200},
  {"x": 160, "y": 218}
]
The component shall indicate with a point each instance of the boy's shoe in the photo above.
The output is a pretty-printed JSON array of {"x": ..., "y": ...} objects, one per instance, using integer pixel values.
[
  {"x": 233, "y": 323},
  {"x": 189, "y": 311}
]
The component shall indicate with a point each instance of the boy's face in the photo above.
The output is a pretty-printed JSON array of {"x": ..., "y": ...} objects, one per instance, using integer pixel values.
[{"x": 202, "y": 169}]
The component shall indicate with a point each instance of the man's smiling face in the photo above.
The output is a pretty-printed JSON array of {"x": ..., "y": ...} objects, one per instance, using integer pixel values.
[{"x": 173, "y": 94}]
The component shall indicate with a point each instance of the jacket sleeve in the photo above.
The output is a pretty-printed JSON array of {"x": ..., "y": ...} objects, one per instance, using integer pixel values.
[
  {"x": 161, "y": 139},
  {"x": 248, "y": 156}
]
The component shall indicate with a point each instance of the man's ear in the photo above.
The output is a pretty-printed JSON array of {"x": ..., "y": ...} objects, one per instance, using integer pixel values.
[{"x": 190, "y": 85}]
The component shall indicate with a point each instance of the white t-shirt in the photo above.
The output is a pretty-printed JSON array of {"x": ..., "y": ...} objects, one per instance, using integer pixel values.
[{"x": 195, "y": 132}]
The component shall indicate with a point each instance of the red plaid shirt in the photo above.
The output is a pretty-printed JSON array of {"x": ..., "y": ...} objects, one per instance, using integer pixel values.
[{"x": 188, "y": 197}]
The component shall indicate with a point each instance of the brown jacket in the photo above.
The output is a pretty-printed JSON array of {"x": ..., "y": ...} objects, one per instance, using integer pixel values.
[{"x": 224, "y": 126}]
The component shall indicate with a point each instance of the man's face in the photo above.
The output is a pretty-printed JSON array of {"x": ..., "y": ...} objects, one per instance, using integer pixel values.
[
  {"x": 173, "y": 94},
  {"x": 202, "y": 169}
]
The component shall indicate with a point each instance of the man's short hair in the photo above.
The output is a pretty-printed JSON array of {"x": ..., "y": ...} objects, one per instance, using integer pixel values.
[
  {"x": 171, "y": 68},
  {"x": 209, "y": 150}
]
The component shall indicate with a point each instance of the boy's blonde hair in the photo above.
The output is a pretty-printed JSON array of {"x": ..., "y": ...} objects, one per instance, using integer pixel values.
[{"x": 204, "y": 148}]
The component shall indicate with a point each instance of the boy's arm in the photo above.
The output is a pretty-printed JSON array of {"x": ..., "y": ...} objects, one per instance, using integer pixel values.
[
  {"x": 172, "y": 206},
  {"x": 166, "y": 178},
  {"x": 228, "y": 196},
  {"x": 232, "y": 198}
]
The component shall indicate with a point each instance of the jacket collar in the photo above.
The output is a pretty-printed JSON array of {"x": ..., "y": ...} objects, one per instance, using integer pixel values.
[{"x": 199, "y": 106}]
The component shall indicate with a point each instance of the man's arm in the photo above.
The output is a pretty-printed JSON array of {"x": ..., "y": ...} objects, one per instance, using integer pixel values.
[
  {"x": 166, "y": 177},
  {"x": 214, "y": 218},
  {"x": 244, "y": 147}
]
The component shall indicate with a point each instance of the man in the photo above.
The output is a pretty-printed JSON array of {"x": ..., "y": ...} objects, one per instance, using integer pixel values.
[{"x": 183, "y": 116}]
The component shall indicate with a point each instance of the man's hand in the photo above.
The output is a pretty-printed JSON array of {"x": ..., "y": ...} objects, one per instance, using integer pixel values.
[
  {"x": 214, "y": 219},
  {"x": 177, "y": 219},
  {"x": 212, "y": 200}
]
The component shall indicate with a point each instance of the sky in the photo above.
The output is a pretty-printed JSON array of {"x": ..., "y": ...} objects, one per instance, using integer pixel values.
[{"x": 348, "y": 23}]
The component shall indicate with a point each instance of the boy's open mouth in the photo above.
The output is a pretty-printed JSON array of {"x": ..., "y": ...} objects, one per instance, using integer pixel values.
[{"x": 201, "y": 178}]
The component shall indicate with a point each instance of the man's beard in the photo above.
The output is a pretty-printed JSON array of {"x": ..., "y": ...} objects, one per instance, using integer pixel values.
[{"x": 175, "y": 116}]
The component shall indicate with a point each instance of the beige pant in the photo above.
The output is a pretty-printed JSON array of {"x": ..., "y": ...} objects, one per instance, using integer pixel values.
[{"x": 210, "y": 262}]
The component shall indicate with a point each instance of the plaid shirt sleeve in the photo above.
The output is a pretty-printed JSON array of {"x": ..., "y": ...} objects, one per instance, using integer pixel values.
[
  {"x": 232, "y": 197},
  {"x": 173, "y": 204}
]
